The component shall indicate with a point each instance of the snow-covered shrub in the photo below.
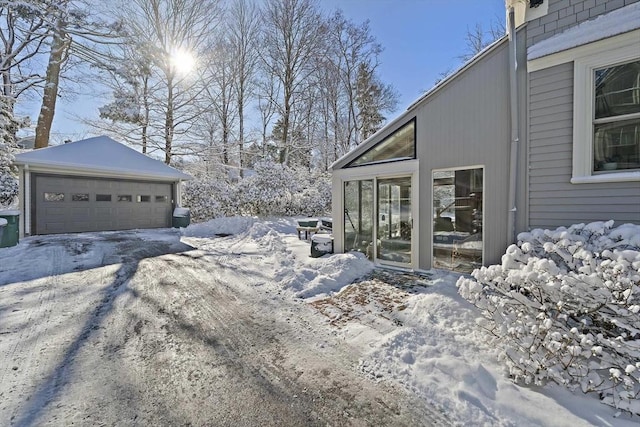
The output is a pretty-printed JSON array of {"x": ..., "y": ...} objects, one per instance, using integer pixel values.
[
  {"x": 315, "y": 196},
  {"x": 208, "y": 199},
  {"x": 566, "y": 305},
  {"x": 276, "y": 189},
  {"x": 271, "y": 189},
  {"x": 8, "y": 188}
]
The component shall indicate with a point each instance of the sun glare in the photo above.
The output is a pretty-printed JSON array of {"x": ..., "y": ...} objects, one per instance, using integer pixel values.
[{"x": 183, "y": 61}]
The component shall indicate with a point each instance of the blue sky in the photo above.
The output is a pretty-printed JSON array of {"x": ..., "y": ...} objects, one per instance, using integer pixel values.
[{"x": 421, "y": 39}]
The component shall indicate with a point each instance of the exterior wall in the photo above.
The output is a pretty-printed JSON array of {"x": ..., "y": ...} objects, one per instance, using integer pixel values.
[
  {"x": 553, "y": 200},
  {"x": 467, "y": 124},
  {"x": 563, "y": 14},
  {"x": 463, "y": 124}
]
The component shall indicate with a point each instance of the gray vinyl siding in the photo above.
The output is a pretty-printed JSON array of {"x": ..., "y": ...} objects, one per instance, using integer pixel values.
[
  {"x": 564, "y": 14},
  {"x": 553, "y": 200},
  {"x": 467, "y": 124}
]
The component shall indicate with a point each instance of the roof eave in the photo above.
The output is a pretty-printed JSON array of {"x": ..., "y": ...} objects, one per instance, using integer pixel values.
[{"x": 97, "y": 171}]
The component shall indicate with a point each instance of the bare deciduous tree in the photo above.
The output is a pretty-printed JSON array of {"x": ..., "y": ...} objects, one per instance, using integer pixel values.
[
  {"x": 75, "y": 29},
  {"x": 173, "y": 30},
  {"x": 477, "y": 38},
  {"x": 292, "y": 36},
  {"x": 243, "y": 29}
]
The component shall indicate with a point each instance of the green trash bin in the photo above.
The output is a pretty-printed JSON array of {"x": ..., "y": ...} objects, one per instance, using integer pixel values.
[
  {"x": 11, "y": 232},
  {"x": 3, "y": 223},
  {"x": 181, "y": 218}
]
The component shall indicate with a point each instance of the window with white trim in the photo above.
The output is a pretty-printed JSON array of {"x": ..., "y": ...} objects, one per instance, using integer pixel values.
[
  {"x": 616, "y": 123},
  {"x": 606, "y": 113}
]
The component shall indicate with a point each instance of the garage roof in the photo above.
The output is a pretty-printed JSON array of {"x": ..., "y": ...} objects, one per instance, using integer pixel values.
[{"x": 100, "y": 155}]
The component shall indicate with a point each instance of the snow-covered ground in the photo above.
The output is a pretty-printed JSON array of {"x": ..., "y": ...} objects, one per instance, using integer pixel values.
[{"x": 232, "y": 322}]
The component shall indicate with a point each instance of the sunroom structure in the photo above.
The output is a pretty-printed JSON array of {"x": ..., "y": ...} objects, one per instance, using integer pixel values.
[
  {"x": 539, "y": 130},
  {"x": 431, "y": 189}
]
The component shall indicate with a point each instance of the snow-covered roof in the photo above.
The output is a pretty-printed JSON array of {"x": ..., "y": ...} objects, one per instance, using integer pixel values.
[
  {"x": 99, "y": 155},
  {"x": 604, "y": 26}
]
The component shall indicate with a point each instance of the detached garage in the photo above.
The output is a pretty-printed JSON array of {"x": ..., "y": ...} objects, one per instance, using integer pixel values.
[{"x": 96, "y": 184}]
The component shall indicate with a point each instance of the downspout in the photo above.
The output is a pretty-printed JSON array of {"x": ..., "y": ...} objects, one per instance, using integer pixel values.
[
  {"x": 25, "y": 201},
  {"x": 515, "y": 131}
]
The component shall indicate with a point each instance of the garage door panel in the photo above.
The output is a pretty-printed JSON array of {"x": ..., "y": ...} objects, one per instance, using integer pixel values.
[
  {"x": 103, "y": 214},
  {"x": 81, "y": 215}
]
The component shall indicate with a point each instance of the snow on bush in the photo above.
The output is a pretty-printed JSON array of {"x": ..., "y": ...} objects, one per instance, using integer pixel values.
[
  {"x": 566, "y": 305},
  {"x": 8, "y": 127},
  {"x": 273, "y": 189},
  {"x": 269, "y": 191},
  {"x": 208, "y": 199}
]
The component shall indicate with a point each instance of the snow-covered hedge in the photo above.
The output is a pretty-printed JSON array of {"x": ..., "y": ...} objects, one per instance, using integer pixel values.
[
  {"x": 8, "y": 180},
  {"x": 271, "y": 189},
  {"x": 208, "y": 199},
  {"x": 566, "y": 305}
]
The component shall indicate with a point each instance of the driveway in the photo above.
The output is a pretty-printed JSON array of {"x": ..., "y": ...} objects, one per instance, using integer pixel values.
[{"x": 146, "y": 328}]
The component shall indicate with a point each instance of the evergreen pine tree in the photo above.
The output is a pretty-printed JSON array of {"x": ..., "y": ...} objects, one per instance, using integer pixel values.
[{"x": 8, "y": 128}]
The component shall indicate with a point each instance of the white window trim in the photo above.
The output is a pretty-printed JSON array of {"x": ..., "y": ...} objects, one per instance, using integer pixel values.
[{"x": 594, "y": 57}]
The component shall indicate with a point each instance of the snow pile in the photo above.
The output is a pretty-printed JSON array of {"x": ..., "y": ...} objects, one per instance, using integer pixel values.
[
  {"x": 219, "y": 226},
  {"x": 565, "y": 304},
  {"x": 291, "y": 267},
  {"x": 329, "y": 274}
]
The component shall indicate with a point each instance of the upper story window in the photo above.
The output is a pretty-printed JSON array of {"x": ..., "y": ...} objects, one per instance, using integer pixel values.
[
  {"x": 400, "y": 145},
  {"x": 606, "y": 111},
  {"x": 616, "y": 123}
]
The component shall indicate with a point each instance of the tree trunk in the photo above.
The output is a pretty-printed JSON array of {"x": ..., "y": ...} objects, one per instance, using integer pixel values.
[
  {"x": 168, "y": 123},
  {"x": 146, "y": 106},
  {"x": 241, "y": 131},
  {"x": 59, "y": 49}
]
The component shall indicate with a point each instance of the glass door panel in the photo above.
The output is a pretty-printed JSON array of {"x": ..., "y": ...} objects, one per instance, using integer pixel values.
[
  {"x": 457, "y": 219},
  {"x": 358, "y": 216},
  {"x": 394, "y": 220}
]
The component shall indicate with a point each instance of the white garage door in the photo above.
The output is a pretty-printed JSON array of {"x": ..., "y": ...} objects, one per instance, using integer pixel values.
[{"x": 63, "y": 204}]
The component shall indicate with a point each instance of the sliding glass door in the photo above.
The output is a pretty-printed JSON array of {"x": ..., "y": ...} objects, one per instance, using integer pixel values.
[
  {"x": 358, "y": 216},
  {"x": 378, "y": 219},
  {"x": 394, "y": 220}
]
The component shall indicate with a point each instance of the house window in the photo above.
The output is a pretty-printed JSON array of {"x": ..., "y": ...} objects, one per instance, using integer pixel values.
[
  {"x": 125, "y": 198},
  {"x": 103, "y": 197},
  {"x": 606, "y": 112},
  {"x": 400, "y": 145},
  {"x": 80, "y": 197},
  {"x": 458, "y": 219},
  {"x": 162, "y": 199},
  {"x": 54, "y": 197},
  {"x": 616, "y": 124},
  {"x": 143, "y": 199}
]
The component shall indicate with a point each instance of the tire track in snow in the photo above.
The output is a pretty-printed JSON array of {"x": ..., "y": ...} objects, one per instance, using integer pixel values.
[
  {"x": 30, "y": 323},
  {"x": 251, "y": 345}
]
